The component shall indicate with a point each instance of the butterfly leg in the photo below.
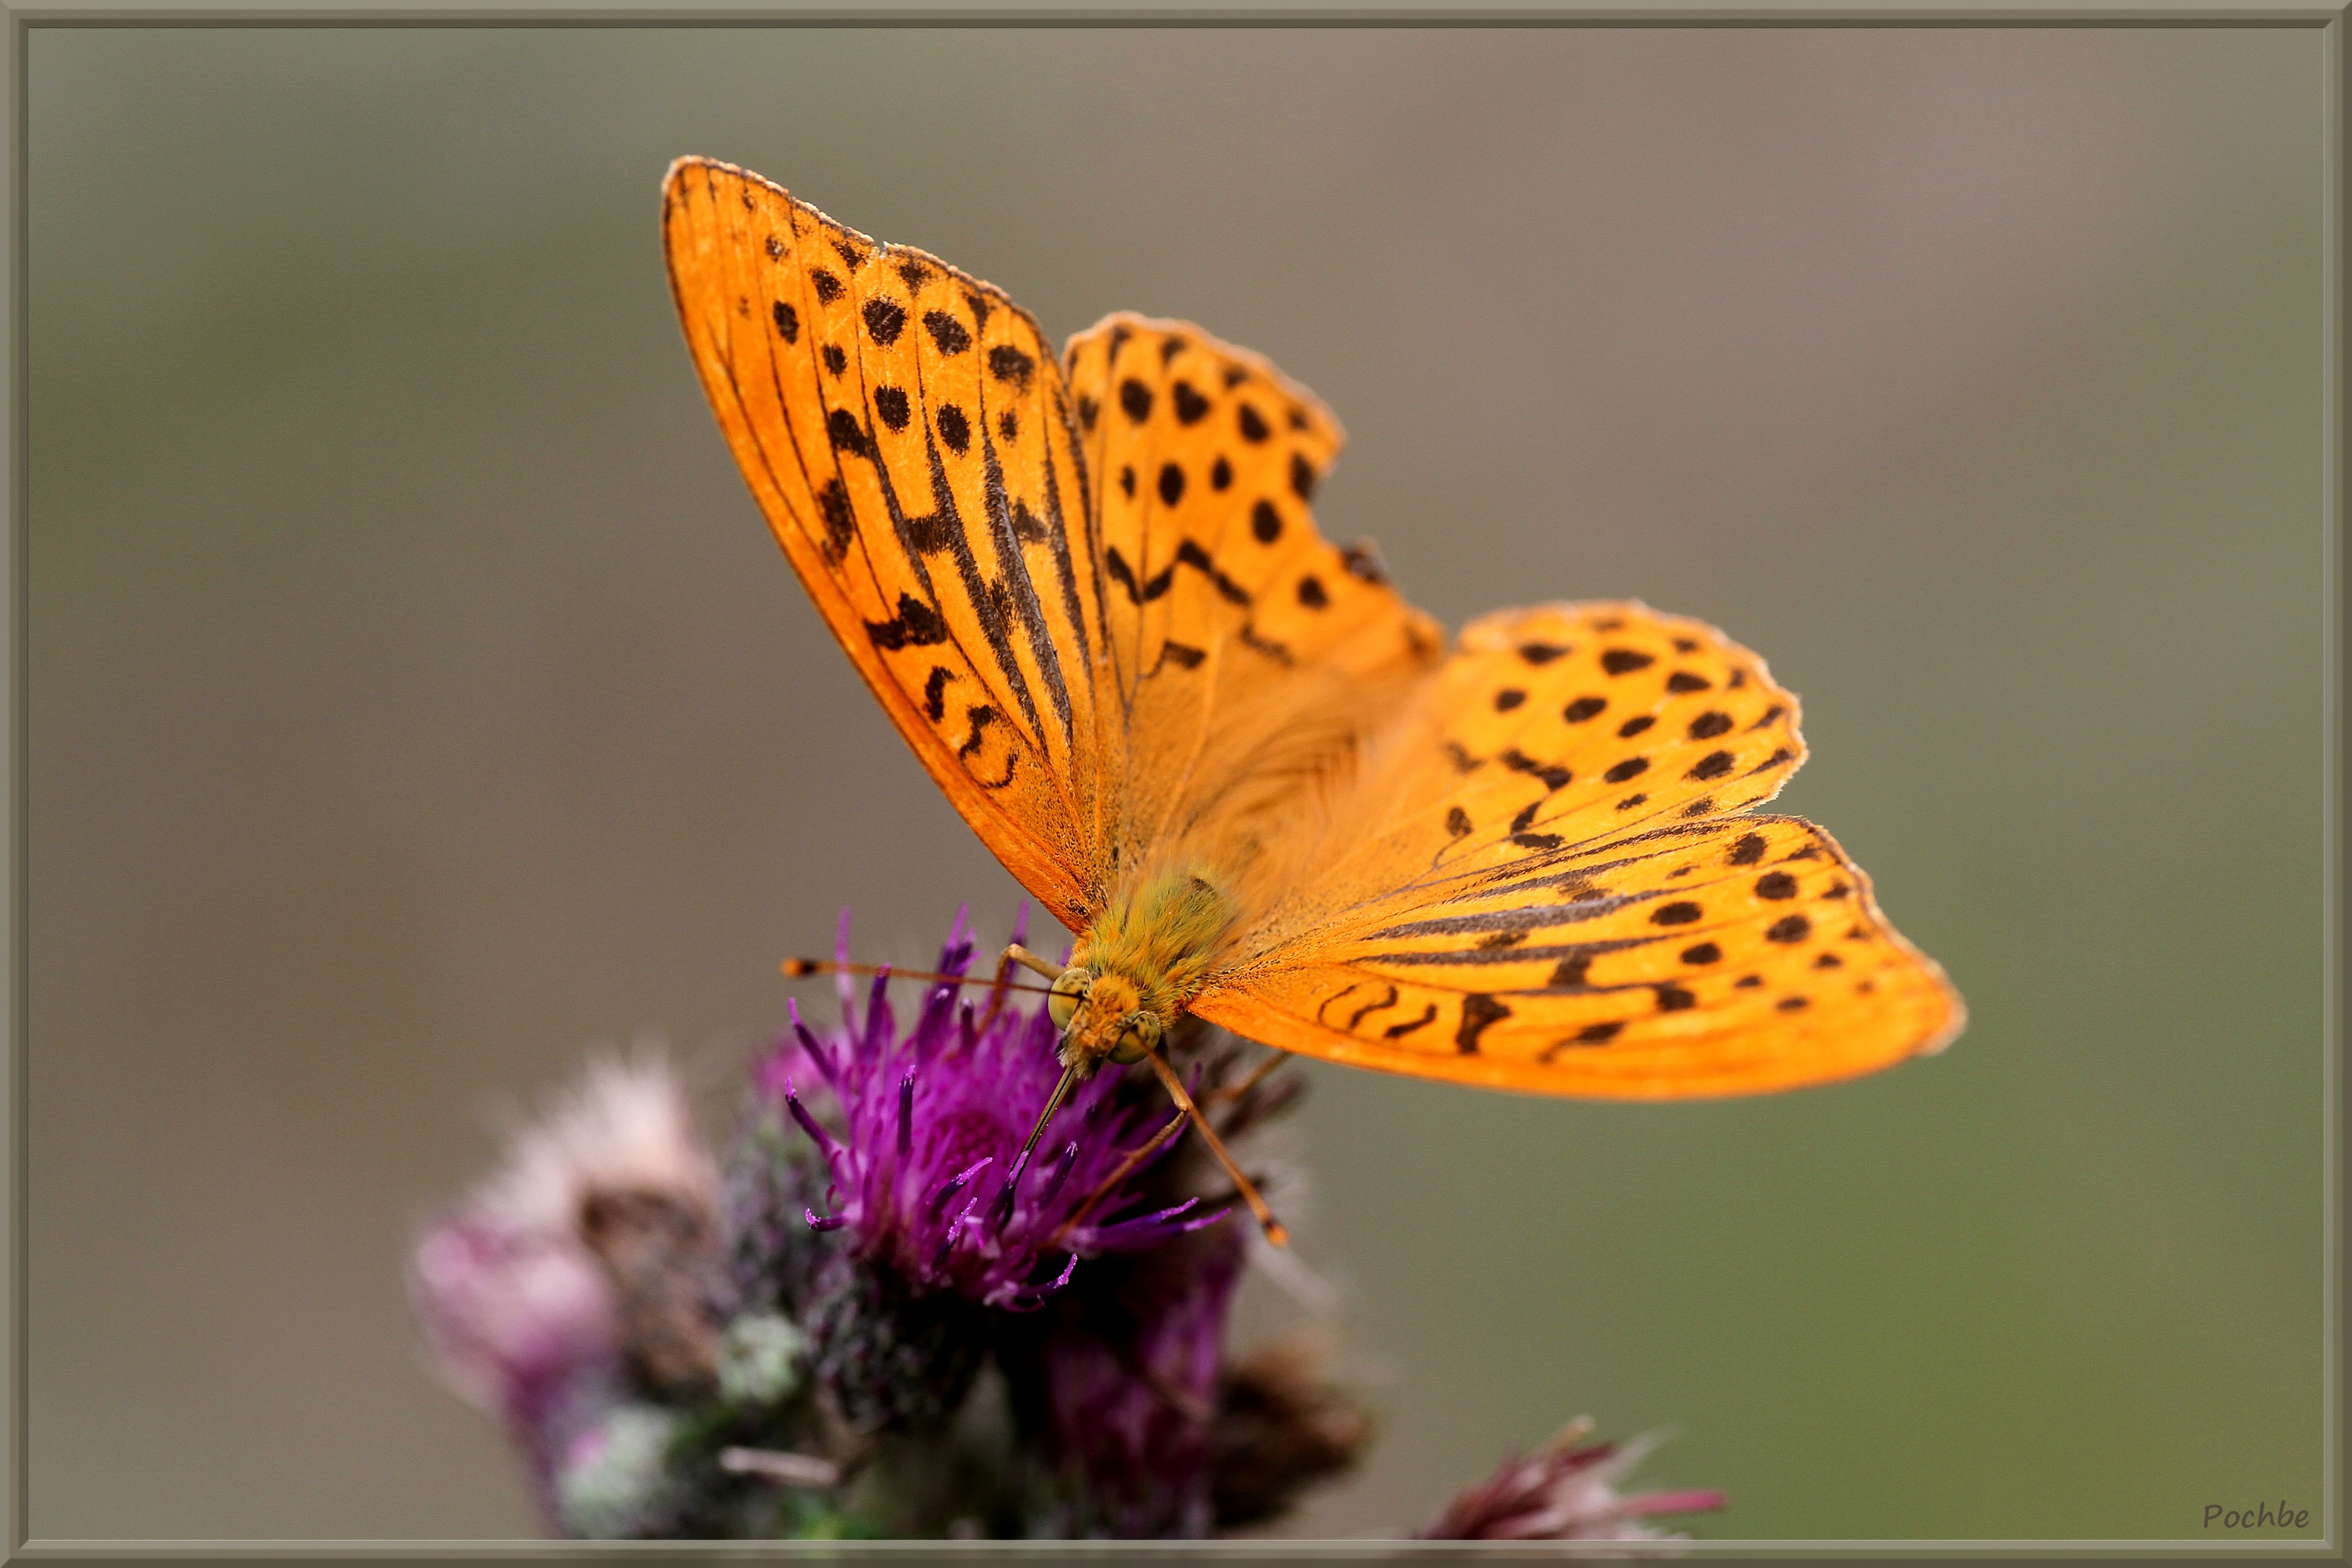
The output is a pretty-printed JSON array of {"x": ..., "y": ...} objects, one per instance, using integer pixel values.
[
  {"x": 1135, "y": 1157},
  {"x": 1257, "y": 1076},
  {"x": 1272, "y": 1226},
  {"x": 1016, "y": 954}
]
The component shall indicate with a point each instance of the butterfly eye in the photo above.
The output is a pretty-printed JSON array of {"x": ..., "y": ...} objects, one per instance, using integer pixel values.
[
  {"x": 1137, "y": 1040},
  {"x": 1069, "y": 989}
]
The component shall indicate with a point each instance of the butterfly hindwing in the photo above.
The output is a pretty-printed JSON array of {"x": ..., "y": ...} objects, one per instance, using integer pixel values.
[
  {"x": 1576, "y": 900},
  {"x": 905, "y": 430}
]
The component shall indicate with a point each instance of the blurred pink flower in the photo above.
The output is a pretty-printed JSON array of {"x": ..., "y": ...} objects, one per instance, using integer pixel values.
[
  {"x": 529, "y": 1293},
  {"x": 1565, "y": 1491}
]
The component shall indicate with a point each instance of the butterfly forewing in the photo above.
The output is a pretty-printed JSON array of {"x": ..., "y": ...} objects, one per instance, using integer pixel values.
[
  {"x": 901, "y": 427},
  {"x": 1553, "y": 885},
  {"x": 1248, "y": 652}
]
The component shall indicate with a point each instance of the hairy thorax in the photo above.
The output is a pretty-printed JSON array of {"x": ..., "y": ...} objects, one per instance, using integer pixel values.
[{"x": 1133, "y": 971}]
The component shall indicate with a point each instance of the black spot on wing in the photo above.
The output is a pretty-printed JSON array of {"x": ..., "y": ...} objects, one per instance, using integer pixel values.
[
  {"x": 1189, "y": 553},
  {"x": 954, "y": 428},
  {"x": 1008, "y": 363},
  {"x": 979, "y": 718},
  {"x": 1359, "y": 1016},
  {"x": 1122, "y": 573},
  {"x": 1399, "y": 1031},
  {"x": 842, "y": 427},
  {"x": 1518, "y": 762},
  {"x": 840, "y": 526},
  {"x": 1183, "y": 655},
  {"x": 915, "y": 625},
  {"x": 950, "y": 335},
  {"x": 1027, "y": 528},
  {"x": 885, "y": 319},
  {"x": 1712, "y": 766},
  {"x": 1479, "y": 1011},
  {"x": 1571, "y": 974}
]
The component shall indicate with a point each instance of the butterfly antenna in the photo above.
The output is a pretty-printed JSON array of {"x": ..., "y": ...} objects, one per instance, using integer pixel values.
[
  {"x": 796, "y": 968},
  {"x": 1242, "y": 1184}
]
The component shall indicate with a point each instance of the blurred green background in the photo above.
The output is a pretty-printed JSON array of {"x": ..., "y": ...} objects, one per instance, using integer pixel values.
[{"x": 416, "y": 697}]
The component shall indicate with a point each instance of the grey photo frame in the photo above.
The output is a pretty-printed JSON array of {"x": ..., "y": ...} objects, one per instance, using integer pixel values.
[{"x": 19, "y": 1184}]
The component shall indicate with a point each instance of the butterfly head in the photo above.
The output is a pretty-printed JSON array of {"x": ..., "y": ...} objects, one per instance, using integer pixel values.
[{"x": 1102, "y": 1019}]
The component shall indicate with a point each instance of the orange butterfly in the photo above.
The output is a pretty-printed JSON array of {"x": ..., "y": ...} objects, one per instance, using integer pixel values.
[{"x": 1229, "y": 756}]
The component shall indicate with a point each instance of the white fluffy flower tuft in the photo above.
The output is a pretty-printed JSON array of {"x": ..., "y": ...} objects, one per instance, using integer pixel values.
[{"x": 626, "y": 1126}]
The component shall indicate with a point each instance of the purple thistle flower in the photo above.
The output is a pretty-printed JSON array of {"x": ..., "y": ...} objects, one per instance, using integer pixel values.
[
  {"x": 1131, "y": 1386},
  {"x": 923, "y": 1136}
]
